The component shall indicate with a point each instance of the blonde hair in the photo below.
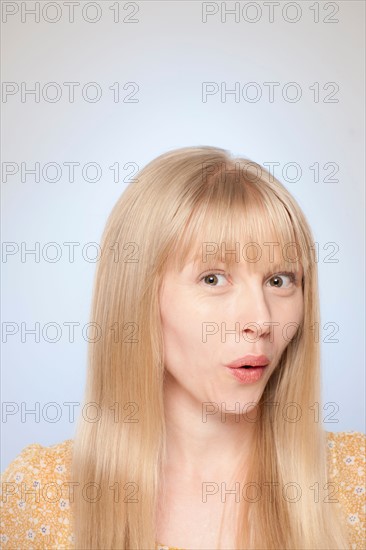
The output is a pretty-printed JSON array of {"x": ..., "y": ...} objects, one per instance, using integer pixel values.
[{"x": 180, "y": 200}]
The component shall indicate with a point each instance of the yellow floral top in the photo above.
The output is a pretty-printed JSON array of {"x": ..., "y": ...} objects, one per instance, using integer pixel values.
[{"x": 29, "y": 523}]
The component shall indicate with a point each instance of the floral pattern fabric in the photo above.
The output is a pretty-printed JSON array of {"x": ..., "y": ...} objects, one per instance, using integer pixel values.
[{"x": 35, "y": 494}]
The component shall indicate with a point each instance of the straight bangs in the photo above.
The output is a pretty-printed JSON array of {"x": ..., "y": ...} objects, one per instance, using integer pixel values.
[{"x": 240, "y": 221}]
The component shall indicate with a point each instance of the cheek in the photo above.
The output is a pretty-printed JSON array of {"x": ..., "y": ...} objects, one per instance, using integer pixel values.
[
  {"x": 176, "y": 321},
  {"x": 291, "y": 318},
  {"x": 299, "y": 308},
  {"x": 174, "y": 313},
  {"x": 177, "y": 328},
  {"x": 182, "y": 334}
]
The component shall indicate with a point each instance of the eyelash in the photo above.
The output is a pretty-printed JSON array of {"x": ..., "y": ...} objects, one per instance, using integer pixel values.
[{"x": 290, "y": 274}]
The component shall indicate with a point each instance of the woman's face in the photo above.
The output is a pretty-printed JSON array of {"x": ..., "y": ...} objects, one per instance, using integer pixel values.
[{"x": 212, "y": 317}]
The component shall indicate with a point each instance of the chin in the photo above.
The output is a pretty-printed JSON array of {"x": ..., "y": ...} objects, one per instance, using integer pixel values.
[{"x": 235, "y": 406}]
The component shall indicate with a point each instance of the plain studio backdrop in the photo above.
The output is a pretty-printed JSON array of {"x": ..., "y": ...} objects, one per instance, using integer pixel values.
[{"x": 92, "y": 91}]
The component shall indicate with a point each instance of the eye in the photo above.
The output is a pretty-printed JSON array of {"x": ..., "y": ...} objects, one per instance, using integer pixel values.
[
  {"x": 278, "y": 278},
  {"x": 212, "y": 279}
]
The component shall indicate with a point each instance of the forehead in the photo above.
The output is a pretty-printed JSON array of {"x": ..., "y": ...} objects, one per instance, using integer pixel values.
[
  {"x": 237, "y": 225},
  {"x": 268, "y": 255}
]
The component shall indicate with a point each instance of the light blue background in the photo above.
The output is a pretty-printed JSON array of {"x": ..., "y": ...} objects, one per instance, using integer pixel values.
[{"x": 169, "y": 52}]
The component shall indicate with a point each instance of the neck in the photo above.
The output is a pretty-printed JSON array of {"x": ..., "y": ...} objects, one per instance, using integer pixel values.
[{"x": 204, "y": 439}]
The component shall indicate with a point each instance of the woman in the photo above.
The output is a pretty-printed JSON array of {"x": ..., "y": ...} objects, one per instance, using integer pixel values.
[{"x": 200, "y": 427}]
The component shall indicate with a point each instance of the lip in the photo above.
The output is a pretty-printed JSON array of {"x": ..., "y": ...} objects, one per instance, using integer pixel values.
[{"x": 253, "y": 360}]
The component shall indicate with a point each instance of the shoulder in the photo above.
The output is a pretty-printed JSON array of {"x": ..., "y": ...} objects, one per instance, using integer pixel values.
[
  {"x": 346, "y": 450},
  {"x": 35, "y": 498},
  {"x": 36, "y": 453},
  {"x": 349, "y": 438},
  {"x": 346, "y": 467}
]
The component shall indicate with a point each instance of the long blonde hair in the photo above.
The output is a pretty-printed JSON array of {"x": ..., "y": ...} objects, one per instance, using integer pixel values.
[{"x": 184, "y": 197}]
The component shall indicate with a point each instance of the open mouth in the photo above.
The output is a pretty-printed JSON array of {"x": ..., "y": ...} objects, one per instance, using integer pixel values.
[{"x": 248, "y": 374}]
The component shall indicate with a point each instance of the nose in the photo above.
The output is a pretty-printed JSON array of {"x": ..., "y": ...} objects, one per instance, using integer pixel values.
[{"x": 253, "y": 313}]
